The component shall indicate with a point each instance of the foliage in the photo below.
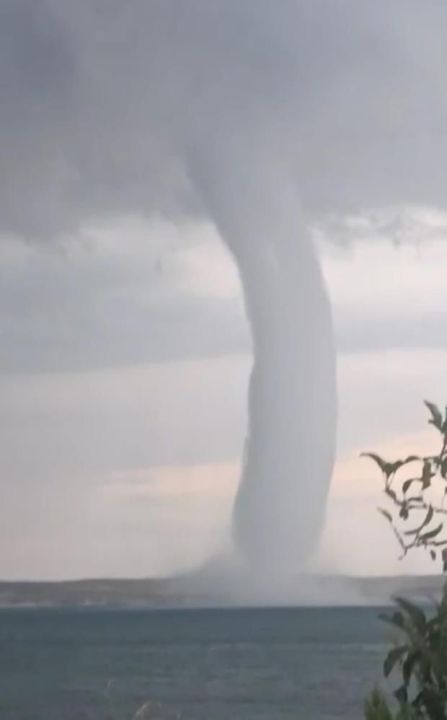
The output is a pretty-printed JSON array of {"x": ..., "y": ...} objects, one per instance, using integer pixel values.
[
  {"x": 377, "y": 708},
  {"x": 417, "y": 498},
  {"x": 420, "y": 656}
]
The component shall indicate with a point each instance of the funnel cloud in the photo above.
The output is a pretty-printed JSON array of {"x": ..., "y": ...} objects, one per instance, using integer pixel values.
[{"x": 289, "y": 450}]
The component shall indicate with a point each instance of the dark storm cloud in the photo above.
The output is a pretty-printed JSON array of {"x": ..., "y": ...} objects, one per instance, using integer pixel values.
[
  {"x": 110, "y": 108},
  {"x": 36, "y": 81}
]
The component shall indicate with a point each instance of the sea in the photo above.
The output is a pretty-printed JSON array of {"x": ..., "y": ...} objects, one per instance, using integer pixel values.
[{"x": 231, "y": 664}]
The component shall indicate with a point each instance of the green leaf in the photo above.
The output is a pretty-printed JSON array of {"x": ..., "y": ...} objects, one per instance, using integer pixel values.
[
  {"x": 426, "y": 475},
  {"x": 383, "y": 465},
  {"x": 408, "y": 665},
  {"x": 428, "y": 517},
  {"x": 431, "y": 534},
  {"x": 415, "y": 498},
  {"x": 436, "y": 415},
  {"x": 444, "y": 560},
  {"x": 410, "y": 459},
  {"x": 376, "y": 707},
  {"x": 394, "y": 467},
  {"x": 433, "y": 702},
  {"x": 427, "y": 520},
  {"x": 391, "y": 494},
  {"x": 407, "y": 485},
  {"x": 401, "y": 695},
  {"x": 415, "y": 613},
  {"x": 392, "y": 658},
  {"x": 386, "y": 514},
  {"x": 397, "y": 619}
]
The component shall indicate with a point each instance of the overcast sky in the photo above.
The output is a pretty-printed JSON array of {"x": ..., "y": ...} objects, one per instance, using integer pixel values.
[
  {"x": 124, "y": 347},
  {"x": 123, "y": 400}
]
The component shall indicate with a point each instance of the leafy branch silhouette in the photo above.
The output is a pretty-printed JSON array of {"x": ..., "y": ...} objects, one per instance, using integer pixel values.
[
  {"x": 415, "y": 489},
  {"x": 418, "y": 497}
]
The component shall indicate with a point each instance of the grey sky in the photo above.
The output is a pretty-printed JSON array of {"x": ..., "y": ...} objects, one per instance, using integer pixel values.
[
  {"x": 113, "y": 108},
  {"x": 137, "y": 293},
  {"x": 69, "y": 432},
  {"x": 123, "y": 340}
]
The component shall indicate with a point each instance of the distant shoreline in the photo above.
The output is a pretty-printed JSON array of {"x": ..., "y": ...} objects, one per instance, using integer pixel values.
[{"x": 184, "y": 593}]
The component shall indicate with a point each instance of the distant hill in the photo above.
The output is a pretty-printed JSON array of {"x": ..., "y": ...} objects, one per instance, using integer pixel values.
[
  {"x": 185, "y": 591},
  {"x": 85, "y": 593},
  {"x": 421, "y": 588}
]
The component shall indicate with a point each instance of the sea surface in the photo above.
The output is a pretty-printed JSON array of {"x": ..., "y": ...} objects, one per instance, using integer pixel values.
[{"x": 263, "y": 664}]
